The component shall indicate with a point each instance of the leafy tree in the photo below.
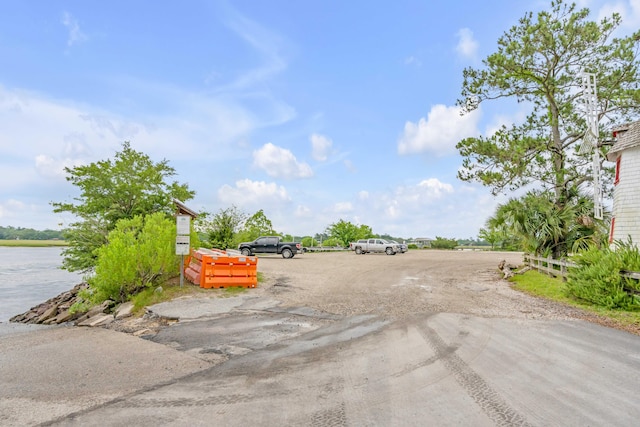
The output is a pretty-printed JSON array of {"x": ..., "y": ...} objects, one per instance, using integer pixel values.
[
  {"x": 538, "y": 63},
  {"x": 219, "y": 230},
  {"x": 471, "y": 242},
  {"x": 259, "y": 225},
  {"x": 255, "y": 226},
  {"x": 13, "y": 233},
  {"x": 346, "y": 232},
  {"x": 110, "y": 190},
  {"x": 364, "y": 232},
  {"x": 491, "y": 235},
  {"x": 444, "y": 243}
]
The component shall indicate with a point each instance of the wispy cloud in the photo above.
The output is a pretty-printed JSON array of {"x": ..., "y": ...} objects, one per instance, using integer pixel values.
[
  {"x": 267, "y": 44},
  {"x": 321, "y": 147},
  {"x": 412, "y": 60},
  {"x": 251, "y": 85},
  {"x": 467, "y": 46},
  {"x": 76, "y": 35}
]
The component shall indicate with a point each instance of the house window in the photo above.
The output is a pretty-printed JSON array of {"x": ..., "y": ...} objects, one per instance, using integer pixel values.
[{"x": 617, "y": 180}]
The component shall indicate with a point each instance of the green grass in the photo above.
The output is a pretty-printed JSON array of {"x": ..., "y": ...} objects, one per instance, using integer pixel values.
[
  {"x": 541, "y": 285},
  {"x": 33, "y": 243},
  {"x": 169, "y": 291}
]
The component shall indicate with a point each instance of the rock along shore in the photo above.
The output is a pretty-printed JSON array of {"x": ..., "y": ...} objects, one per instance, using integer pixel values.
[{"x": 57, "y": 310}]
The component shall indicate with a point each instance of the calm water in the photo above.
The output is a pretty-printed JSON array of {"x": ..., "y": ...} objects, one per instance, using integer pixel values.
[{"x": 29, "y": 276}]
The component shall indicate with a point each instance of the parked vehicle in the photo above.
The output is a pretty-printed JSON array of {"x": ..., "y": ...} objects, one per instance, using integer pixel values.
[
  {"x": 403, "y": 246},
  {"x": 270, "y": 245},
  {"x": 365, "y": 246}
]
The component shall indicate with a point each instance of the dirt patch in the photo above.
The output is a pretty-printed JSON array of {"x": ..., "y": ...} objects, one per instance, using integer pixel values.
[
  {"x": 402, "y": 285},
  {"x": 419, "y": 281},
  {"x": 396, "y": 287}
]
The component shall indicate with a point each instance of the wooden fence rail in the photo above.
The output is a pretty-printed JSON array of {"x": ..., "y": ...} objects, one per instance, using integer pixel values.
[
  {"x": 550, "y": 266},
  {"x": 554, "y": 267}
]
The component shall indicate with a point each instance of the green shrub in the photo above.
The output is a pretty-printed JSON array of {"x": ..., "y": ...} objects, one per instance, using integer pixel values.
[
  {"x": 140, "y": 254},
  {"x": 444, "y": 243},
  {"x": 331, "y": 242},
  {"x": 309, "y": 242},
  {"x": 630, "y": 260},
  {"x": 596, "y": 278}
]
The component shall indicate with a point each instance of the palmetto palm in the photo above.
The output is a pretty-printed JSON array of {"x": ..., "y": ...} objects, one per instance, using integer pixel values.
[{"x": 544, "y": 228}]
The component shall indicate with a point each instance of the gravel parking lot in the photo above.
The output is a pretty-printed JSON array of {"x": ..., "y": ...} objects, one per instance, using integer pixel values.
[
  {"x": 338, "y": 339},
  {"x": 417, "y": 282}
]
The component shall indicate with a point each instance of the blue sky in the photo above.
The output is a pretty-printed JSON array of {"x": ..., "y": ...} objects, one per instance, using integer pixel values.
[{"x": 313, "y": 111}]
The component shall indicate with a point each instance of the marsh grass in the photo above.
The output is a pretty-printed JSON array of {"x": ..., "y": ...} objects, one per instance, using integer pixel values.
[{"x": 33, "y": 243}]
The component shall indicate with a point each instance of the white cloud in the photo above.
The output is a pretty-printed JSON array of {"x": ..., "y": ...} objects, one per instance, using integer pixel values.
[
  {"x": 348, "y": 164},
  {"x": 632, "y": 20},
  {"x": 628, "y": 10},
  {"x": 19, "y": 213},
  {"x": 393, "y": 209},
  {"x": 104, "y": 125},
  {"x": 412, "y": 60},
  {"x": 610, "y": 8},
  {"x": 303, "y": 211},
  {"x": 426, "y": 192},
  {"x": 248, "y": 193},
  {"x": 343, "y": 207},
  {"x": 427, "y": 208},
  {"x": 40, "y": 136},
  {"x": 12, "y": 204},
  {"x": 439, "y": 132},
  {"x": 49, "y": 167},
  {"x": 11, "y": 209},
  {"x": 321, "y": 147},
  {"x": 433, "y": 187},
  {"x": 71, "y": 134},
  {"x": 75, "y": 33},
  {"x": 467, "y": 46},
  {"x": 279, "y": 162},
  {"x": 407, "y": 202}
]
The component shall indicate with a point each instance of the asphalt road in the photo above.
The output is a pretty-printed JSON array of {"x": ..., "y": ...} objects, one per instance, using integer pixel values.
[{"x": 260, "y": 359}]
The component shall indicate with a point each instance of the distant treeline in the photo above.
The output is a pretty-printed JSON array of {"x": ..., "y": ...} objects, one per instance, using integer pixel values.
[{"x": 19, "y": 233}]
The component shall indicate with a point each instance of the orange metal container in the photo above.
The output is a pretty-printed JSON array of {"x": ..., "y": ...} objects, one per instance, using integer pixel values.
[{"x": 216, "y": 269}]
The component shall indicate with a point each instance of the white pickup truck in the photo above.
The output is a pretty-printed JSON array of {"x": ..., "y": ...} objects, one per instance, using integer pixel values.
[{"x": 374, "y": 245}]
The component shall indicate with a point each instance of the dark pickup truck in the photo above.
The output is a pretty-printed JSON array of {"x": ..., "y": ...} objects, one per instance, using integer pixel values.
[{"x": 270, "y": 245}]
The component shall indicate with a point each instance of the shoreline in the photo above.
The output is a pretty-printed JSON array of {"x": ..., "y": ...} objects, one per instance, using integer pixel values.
[{"x": 33, "y": 243}]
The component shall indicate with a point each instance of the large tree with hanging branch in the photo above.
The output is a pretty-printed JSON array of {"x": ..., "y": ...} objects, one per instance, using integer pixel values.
[{"x": 539, "y": 63}]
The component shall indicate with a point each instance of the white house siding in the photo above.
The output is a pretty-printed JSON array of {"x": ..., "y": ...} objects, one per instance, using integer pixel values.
[{"x": 626, "y": 197}]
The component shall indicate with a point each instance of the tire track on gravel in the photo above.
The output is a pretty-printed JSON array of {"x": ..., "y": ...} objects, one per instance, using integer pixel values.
[{"x": 489, "y": 400}]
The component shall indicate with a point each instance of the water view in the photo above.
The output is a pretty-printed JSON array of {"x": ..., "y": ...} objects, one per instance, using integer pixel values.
[{"x": 29, "y": 276}]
